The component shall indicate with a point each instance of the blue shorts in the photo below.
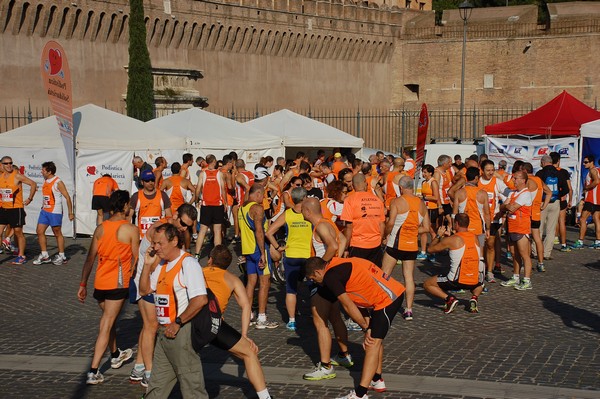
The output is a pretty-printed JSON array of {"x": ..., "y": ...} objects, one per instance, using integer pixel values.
[
  {"x": 50, "y": 219},
  {"x": 252, "y": 263},
  {"x": 133, "y": 293},
  {"x": 292, "y": 268}
]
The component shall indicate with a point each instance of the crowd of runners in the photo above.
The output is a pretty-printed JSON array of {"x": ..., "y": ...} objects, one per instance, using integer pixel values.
[{"x": 336, "y": 223}]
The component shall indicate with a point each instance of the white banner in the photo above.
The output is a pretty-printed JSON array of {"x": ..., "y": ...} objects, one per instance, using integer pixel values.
[{"x": 511, "y": 149}]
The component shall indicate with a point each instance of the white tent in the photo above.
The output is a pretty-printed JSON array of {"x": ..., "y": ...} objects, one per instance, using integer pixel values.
[
  {"x": 106, "y": 142},
  {"x": 208, "y": 133},
  {"x": 301, "y": 132},
  {"x": 589, "y": 144}
]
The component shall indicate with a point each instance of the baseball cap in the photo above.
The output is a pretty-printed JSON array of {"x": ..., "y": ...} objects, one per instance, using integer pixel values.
[
  {"x": 261, "y": 173},
  {"x": 147, "y": 175},
  {"x": 337, "y": 155}
]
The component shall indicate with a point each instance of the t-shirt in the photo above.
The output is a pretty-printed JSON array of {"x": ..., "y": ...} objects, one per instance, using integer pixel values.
[
  {"x": 366, "y": 212},
  {"x": 315, "y": 192}
]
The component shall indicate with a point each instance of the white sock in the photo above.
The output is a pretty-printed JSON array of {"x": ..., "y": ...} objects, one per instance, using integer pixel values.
[
  {"x": 516, "y": 276},
  {"x": 292, "y": 319},
  {"x": 262, "y": 317},
  {"x": 139, "y": 366},
  {"x": 264, "y": 394},
  {"x": 148, "y": 373},
  {"x": 45, "y": 254},
  {"x": 526, "y": 279},
  {"x": 62, "y": 255}
]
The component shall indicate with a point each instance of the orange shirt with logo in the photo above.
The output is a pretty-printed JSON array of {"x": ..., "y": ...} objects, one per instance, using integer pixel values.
[
  {"x": 366, "y": 212},
  {"x": 114, "y": 259}
]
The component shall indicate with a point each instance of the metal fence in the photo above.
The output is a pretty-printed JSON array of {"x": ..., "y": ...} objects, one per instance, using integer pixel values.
[{"x": 388, "y": 130}]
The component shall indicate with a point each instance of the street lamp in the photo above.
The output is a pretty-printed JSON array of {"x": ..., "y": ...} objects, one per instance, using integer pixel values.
[{"x": 464, "y": 10}]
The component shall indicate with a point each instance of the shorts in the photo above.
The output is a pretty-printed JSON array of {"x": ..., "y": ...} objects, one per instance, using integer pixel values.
[
  {"x": 480, "y": 239},
  {"x": 535, "y": 224},
  {"x": 50, "y": 219},
  {"x": 495, "y": 228},
  {"x": 227, "y": 337},
  {"x": 292, "y": 267},
  {"x": 447, "y": 209},
  {"x": 14, "y": 217},
  {"x": 374, "y": 255},
  {"x": 252, "y": 263},
  {"x": 323, "y": 292},
  {"x": 399, "y": 254},
  {"x": 381, "y": 319},
  {"x": 563, "y": 205},
  {"x": 112, "y": 295},
  {"x": 133, "y": 294},
  {"x": 210, "y": 215},
  {"x": 434, "y": 214},
  {"x": 514, "y": 237},
  {"x": 590, "y": 207},
  {"x": 101, "y": 202},
  {"x": 448, "y": 285}
]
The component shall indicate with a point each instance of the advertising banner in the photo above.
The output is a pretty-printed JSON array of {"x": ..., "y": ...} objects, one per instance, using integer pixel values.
[{"x": 422, "y": 134}]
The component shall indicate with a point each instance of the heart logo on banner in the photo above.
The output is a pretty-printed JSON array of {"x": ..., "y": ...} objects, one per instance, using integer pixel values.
[
  {"x": 55, "y": 59},
  {"x": 91, "y": 170}
]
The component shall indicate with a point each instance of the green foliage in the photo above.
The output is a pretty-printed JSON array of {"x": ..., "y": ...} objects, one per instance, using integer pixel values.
[{"x": 140, "y": 86}]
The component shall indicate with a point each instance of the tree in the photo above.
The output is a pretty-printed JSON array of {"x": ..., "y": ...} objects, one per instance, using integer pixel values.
[{"x": 140, "y": 86}]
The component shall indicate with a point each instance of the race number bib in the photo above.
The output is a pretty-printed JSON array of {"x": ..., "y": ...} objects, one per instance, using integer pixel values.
[
  {"x": 146, "y": 222},
  {"x": 46, "y": 202},
  {"x": 7, "y": 195},
  {"x": 491, "y": 198},
  {"x": 161, "y": 303}
]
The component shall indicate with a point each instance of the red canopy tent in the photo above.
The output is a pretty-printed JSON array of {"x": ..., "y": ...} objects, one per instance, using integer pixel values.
[{"x": 561, "y": 116}]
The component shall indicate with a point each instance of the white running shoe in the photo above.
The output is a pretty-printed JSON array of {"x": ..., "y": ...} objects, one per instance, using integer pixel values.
[
  {"x": 345, "y": 361},
  {"x": 378, "y": 386},
  {"x": 94, "y": 379},
  {"x": 320, "y": 373},
  {"x": 41, "y": 259},
  {"x": 353, "y": 395},
  {"x": 124, "y": 355}
]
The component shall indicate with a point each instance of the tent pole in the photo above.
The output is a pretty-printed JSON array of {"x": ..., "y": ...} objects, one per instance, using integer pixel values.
[{"x": 74, "y": 175}]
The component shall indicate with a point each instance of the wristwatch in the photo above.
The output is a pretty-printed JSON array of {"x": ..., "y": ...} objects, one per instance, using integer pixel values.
[
  {"x": 178, "y": 321},
  {"x": 365, "y": 329}
]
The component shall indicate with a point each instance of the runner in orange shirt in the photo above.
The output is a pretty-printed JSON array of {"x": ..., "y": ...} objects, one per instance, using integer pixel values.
[
  {"x": 103, "y": 188},
  {"x": 176, "y": 187},
  {"x": 410, "y": 165},
  {"x": 161, "y": 164},
  {"x": 338, "y": 164},
  {"x": 149, "y": 204},
  {"x": 538, "y": 189},
  {"x": 431, "y": 195},
  {"x": 442, "y": 176},
  {"x": 473, "y": 201}
]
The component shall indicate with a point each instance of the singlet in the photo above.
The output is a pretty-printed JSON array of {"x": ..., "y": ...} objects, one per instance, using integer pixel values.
[
  {"x": 114, "y": 259},
  {"x": 536, "y": 211},
  {"x": 474, "y": 209},
  {"x": 298, "y": 235},
  {"x": 148, "y": 210},
  {"x": 337, "y": 166},
  {"x": 519, "y": 222},
  {"x": 51, "y": 196},
  {"x": 240, "y": 190},
  {"x": 211, "y": 189},
  {"x": 465, "y": 262},
  {"x": 592, "y": 196},
  {"x": 176, "y": 194},
  {"x": 164, "y": 296},
  {"x": 11, "y": 191},
  {"x": 405, "y": 233},
  {"x": 491, "y": 189},
  {"x": 247, "y": 229},
  {"x": 331, "y": 209},
  {"x": 160, "y": 178},
  {"x": 391, "y": 190},
  {"x": 215, "y": 281},
  {"x": 427, "y": 191},
  {"x": 105, "y": 186},
  {"x": 444, "y": 183},
  {"x": 318, "y": 247},
  {"x": 410, "y": 171}
]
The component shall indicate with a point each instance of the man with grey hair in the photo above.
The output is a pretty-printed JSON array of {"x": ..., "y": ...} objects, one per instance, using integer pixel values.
[
  {"x": 444, "y": 178},
  {"x": 139, "y": 166},
  {"x": 297, "y": 248},
  {"x": 408, "y": 217},
  {"x": 364, "y": 214}
]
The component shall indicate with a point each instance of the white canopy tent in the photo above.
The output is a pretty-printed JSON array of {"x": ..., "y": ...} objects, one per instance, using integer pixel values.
[
  {"x": 208, "y": 133},
  {"x": 106, "y": 142},
  {"x": 301, "y": 133},
  {"x": 589, "y": 145}
]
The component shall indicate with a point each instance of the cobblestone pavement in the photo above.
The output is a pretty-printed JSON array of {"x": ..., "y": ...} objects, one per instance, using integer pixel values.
[{"x": 546, "y": 337}]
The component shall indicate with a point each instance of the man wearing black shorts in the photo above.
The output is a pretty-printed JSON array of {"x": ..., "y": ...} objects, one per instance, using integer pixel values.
[
  {"x": 371, "y": 298},
  {"x": 103, "y": 188},
  {"x": 466, "y": 265}
]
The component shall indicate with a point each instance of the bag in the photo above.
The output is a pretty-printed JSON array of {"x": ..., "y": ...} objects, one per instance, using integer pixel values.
[{"x": 206, "y": 323}]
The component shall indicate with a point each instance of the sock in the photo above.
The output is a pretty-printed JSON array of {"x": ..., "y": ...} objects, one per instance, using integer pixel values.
[
  {"x": 423, "y": 252},
  {"x": 326, "y": 365},
  {"x": 264, "y": 394},
  {"x": 376, "y": 377},
  {"x": 292, "y": 319},
  {"x": 94, "y": 370},
  {"x": 147, "y": 374},
  {"x": 360, "y": 391},
  {"x": 563, "y": 245},
  {"x": 138, "y": 366},
  {"x": 516, "y": 276},
  {"x": 597, "y": 242},
  {"x": 526, "y": 279},
  {"x": 62, "y": 255},
  {"x": 262, "y": 317},
  {"x": 342, "y": 354},
  {"x": 115, "y": 354},
  {"x": 45, "y": 254},
  {"x": 408, "y": 309}
]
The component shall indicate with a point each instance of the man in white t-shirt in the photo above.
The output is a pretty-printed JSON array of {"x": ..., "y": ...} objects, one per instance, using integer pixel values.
[{"x": 179, "y": 294}]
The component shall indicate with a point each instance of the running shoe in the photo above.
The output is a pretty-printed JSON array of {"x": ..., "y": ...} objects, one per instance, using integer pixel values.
[
  {"x": 378, "y": 386},
  {"x": 595, "y": 245},
  {"x": 509, "y": 256},
  {"x": 145, "y": 380},
  {"x": 6, "y": 245},
  {"x": 541, "y": 268},
  {"x": 265, "y": 324},
  {"x": 564, "y": 248},
  {"x": 19, "y": 260},
  {"x": 136, "y": 375},
  {"x": 525, "y": 285},
  {"x": 94, "y": 379},
  {"x": 511, "y": 283},
  {"x": 291, "y": 325},
  {"x": 490, "y": 277},
  {"x": 577, "y": 245},
  {"x": 320, "y": 373},
  {"x": 41, "y": 259},
  {"x": 351, "y": 325},
  {"x": 235, "y": 239},
  {"x": 124, "y": 355},
  {"x": 459, "y": 291},
  {"x": 498, "y": 269},
  {"x": 422, "y": 256},
  {"x": 345, "y": 361},
  {"x": 59, "y": 260},
  {"x": 473, "y": 306},
  {"x": 352, "y": 395},
  {"x": 450, "y": 304},
  {"x": 431, "y": 258},
  {"x": 408, "y": 315},
  {"x": 556, "y": 242}
]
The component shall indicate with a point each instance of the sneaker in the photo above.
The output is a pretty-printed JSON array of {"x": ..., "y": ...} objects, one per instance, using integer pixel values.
[
  {"x": 577, "y": 245},
  {"x": 556, "y": 242},
  {"x": 291, "y": 325},
  {"x": 541, "y": 268},
  {"x": 490, "y": 278},
  {"x": 525, "y": 285},
  {"x": 124, "y": 355},
  {"x": 19, "y": 260},
  {"x": 498, "y": 270},
  {"x": 450, "y": 304},
  {"x": 509, "y": 256},
  {"x": 145, "y": 381},
  {"x": 422, "y": 256},
  {"x": 378, "y": 386},
  {"x": 235, "y": 240},
  {"x": 320, "y": 373},
  {"x": 460, "y": 291},
  {"x": 351, "y": 325},
  {"x": 59, "y": 260},
  {"x": 352, "y": 395},
  {"x": 6, "y": 245},
  {"x": 431, "y": 258},
  {"x": 345, "y": 361},
  {"x": 473, "y": 306},
  {"x": 41, "y": 259},
  {"x": 94, "y": 379},
  {"x": 136, "y": 375},
  {"x": 408, "y": 315},
  {"x": 514, "y": 281},
  {"x": 564, "y": 248},
  {"x": 261, "y": 325}
]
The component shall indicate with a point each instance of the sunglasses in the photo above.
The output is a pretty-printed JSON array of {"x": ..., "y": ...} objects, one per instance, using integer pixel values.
[
  {"x": 149, "y": 181},
  {"x": 7, "y": 163},
  {"x": 182, "y": 223},
  {"x": 584, "y": 162}
]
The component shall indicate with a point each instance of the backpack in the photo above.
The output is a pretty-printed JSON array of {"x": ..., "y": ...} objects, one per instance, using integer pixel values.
[{"x": 206, "y": 323}]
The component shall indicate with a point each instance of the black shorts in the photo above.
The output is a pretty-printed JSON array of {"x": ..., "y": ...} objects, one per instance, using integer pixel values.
[
  {"x": 381, "y": 319},
  {"x": 448, "y": 285},
  {"x": 399, "y": 254},
  {"x": 535, "y": 224},
  {"x": 227, "y": 337},
  {"x": 111, "y": 295},
  {"x": 374, "y": 255},
  {"x": 495, "y": 228},
  {"x": 323, "y": 292},
  {"x": 447, "y": 209},
  {"x": 14, "y": 217},
  {"x": 563, "y": 205},
  {"x": 514, "y": 237},
  {"x": 434, "y": 214},
  {"x": 588, "y": 206},
  {"x": 101, "y": 202},
  {"x": 210, "y": 215}
]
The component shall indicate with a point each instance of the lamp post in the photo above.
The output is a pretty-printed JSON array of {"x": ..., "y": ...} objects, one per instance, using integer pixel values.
[{"x": 464, "y": 10}]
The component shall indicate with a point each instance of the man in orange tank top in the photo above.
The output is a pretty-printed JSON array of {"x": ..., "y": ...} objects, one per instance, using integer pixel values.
[
  {"x": 103, "y": 188},
  {"x": 357, "y": 283},
  {"x": 442, "y": 176},
  {"x": 149, "y": 204},
  {"x": 115, "y": 243},
  {"x": 178, "y": 188},
  {"x": 466, "y": 265},
  {"x": 187, "y": 160},
  {"x": 474, "y": 202}
]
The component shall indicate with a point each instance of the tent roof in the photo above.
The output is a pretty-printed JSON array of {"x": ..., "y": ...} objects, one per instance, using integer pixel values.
[
  {"x": 211, "y": 131},
  {"x": 561, "y": 116},
  {"x": 96, "y": 128},
  {"x": 300, "y": 131},
  {"x": 591, "y": 129}
]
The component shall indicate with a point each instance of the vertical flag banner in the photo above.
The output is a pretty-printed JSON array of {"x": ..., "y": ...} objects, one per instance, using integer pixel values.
[
  {"x": 56, "y": 77},
  {"x": 422, "y": 134}
]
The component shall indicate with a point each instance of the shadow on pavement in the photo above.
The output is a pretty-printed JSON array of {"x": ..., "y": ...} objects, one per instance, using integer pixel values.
[{"x": 572, "y": 316}]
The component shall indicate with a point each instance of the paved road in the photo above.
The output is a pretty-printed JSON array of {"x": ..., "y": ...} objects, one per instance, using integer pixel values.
[{"x": 543, "y": 343}]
